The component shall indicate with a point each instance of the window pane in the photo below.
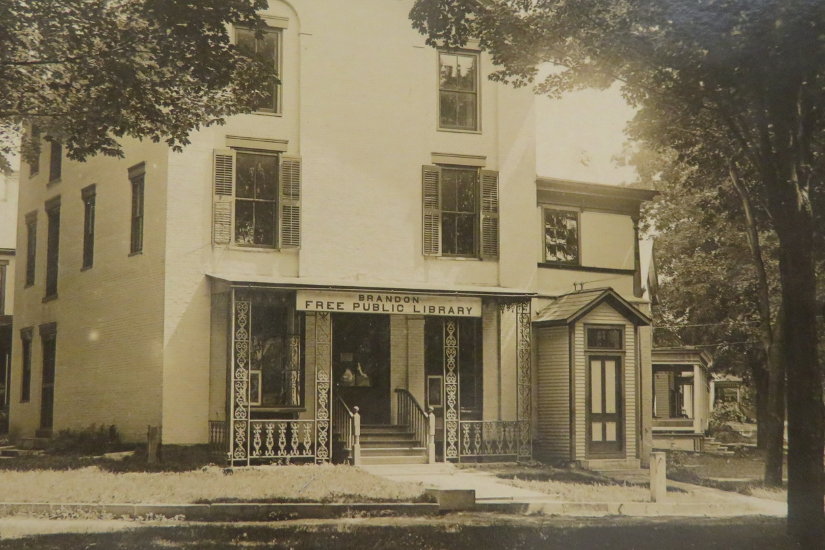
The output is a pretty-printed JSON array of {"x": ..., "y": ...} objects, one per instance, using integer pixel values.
[
  {"x": 610, "y": 387},
  {"x": 245, "y": 177},
  {"x": 244, "y": 222},
  {"x": 610, "y": 428},
  {"x": 465, "y": 234},
  {"x": 466, "y": 191},
  {"x": 596, "y": 387},
  {"x": 245, "y": 39},
  {"x": 266, "y": 177},
  {"x": 561, "y": 236},
  {"x": 449, "y": 70},
  {"x": 265, "y": 223},
  {"x": 458, "y": 72},
  {"x": 449, "y": 183},
  {"x": 448, "y": 236},
  {"x": 604, "y": 338},
  {"x": 596, "y": 431},
  {"x": 458, "y": 110}
]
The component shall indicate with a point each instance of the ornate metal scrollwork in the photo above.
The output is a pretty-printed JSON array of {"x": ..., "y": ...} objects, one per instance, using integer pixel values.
[
  {"x": 523, "y": 329},
  {"x": 323, "y": 385},
  {"x": 451, "y": 413},
  {"x": 239, "y": 403}
]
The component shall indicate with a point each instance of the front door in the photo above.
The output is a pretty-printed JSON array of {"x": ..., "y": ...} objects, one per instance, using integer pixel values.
[
  {"x": 361, "y": 364},
  {"x": 604, "y": 406}
]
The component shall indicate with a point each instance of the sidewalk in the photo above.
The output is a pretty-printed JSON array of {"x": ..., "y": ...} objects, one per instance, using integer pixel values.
[{"x": 494, "y": 495}]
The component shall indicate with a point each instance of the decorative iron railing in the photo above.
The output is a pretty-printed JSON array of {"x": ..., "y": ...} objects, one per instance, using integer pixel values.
[
  {"x": 346, "y": 428},
  {"x": 489, "y": 438},
  {"x": 219, "y": 437},
  {"x": 282, "y": 440},
  {"x": 412, "y": 415}
]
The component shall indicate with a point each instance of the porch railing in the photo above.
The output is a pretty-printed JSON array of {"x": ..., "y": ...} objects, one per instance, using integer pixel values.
[
  {"x": 497, "y": 438},
  {"x": 346, "y": 427},
  {"x": 219, "y": 438}
]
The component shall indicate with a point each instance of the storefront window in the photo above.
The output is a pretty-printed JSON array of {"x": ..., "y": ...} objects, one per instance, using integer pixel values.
[
  {"x": 275, "y": 372},
  {"x": 470, "y": 366}
]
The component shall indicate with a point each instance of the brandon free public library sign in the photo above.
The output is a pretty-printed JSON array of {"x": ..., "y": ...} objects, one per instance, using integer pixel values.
[{"x": 384, "y": 302}]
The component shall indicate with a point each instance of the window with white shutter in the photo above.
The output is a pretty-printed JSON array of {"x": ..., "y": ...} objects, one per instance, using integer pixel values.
[
  {"x": 460, "y": 212},
  {"x": 257, "y": 199}
]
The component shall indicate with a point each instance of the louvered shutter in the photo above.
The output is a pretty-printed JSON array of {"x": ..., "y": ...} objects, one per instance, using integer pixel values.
[
  {"x": 224, "y": 188},
  {"x": 489, "y": 215},
  {"x": 290, "y": 181},
  {"x": 431, "y": 195}
]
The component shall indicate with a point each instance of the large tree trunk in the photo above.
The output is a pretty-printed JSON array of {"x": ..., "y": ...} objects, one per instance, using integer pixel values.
[
  {"x": 775, "y": 428},
  {"x": 806, "y": 480},
  {"x": 772, "y": 424},
  {"x": 761, "y": 381}
]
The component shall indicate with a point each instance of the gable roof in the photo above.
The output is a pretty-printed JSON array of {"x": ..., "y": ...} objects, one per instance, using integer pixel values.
[{"x": 569, "y": 308}]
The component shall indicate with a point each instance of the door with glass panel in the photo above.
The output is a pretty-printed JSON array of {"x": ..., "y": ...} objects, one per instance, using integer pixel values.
[{"x": 604, "y": 406}]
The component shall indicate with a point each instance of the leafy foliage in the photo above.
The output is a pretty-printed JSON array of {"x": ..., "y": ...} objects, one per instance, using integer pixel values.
[
  {"x": 94, "y": 440},
  {"x": 724, "y": 413},
  {"x": 88, "y": 72}
]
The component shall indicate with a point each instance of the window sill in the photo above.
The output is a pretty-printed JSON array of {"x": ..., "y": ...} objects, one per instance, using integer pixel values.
[
  {"x": 590, "y": 269},
  {"x": 138, "y": 253},
  {"x": 265, "y": 113},
  {"x": 52, "y": 183},
  {"x": 459, "y": 258},
  {"x": 28, "y": 286},
  {"x": 49, "y": 298},
  {"x": 86, "y": 268},
  {"x": 459, "y": 131},
  {"x": 255, "y": 249}
]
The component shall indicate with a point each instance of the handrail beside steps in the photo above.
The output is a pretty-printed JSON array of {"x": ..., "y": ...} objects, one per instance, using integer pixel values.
[
  {"x": 418, "y": 422},
  {"x": 346, "y": 424}
]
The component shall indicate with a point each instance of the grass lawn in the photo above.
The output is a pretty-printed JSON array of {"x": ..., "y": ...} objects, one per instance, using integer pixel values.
[
  {"x": 742, "y": 473},
  {"x": 309, "y": 483},
  {"x": 453, "y": 532}
]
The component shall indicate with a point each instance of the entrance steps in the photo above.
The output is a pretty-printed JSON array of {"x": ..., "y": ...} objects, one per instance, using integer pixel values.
[
  {"x": 390, "y": 444},
  {"x": 26, "y": 446}
]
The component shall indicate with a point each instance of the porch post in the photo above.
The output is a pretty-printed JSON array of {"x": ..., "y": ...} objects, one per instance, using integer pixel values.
[
  {"x": 523, "y": 360},
  {"x": 452, "y": 408},
  {"x": 239, "y": 387},
  {"x": 323, "y": 386}
]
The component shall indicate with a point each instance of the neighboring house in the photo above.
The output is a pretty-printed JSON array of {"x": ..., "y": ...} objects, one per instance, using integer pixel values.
[
  {"x": 681, "y": 397},
  {"x": 374, "y": 237},
  {"x": 8, "y": 226}
]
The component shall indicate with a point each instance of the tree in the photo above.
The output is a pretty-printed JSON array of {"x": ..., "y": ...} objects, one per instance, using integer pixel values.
[
  {"x": 88, "y": 72},
  {"x": 740, "y": 81},
  {"x": 716, "y": 254}
]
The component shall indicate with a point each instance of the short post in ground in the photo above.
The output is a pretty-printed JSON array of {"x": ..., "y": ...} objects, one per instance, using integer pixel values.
[
  {"x": 431, "y": 437},
  {"x": 153, "y": 445},
  {"x": 658, "y": 477},
  {"x": 356, "y": 442}
]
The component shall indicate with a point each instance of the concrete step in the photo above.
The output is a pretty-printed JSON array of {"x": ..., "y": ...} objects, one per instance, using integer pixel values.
[
  {"x": 610, "y": 464},
  {"x": 33, "y": 443},
  {"x": 15, "y": 452},
  {"x": 394, "y": 459},
  {"x": 393, "y": 451},
  {"x": 382, "y": 428},
  {"x": 387, "y": 437}
]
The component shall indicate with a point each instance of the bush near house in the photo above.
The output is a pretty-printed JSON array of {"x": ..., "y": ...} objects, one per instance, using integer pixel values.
[
  {"x": 91, "y": 441},
  {"x": 724, "y": 413}
]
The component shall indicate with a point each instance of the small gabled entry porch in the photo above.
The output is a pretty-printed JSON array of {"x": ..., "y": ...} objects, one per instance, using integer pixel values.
[{"x": 311, "y": 380}]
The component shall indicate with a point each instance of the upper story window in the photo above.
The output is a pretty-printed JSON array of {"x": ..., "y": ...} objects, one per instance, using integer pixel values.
[
  {"x": 52, "y": 246},
  {"x": 561, "y": 236},
  {"x": 257, "y": 199},
  {"x": 266, "y": 49},
  {"x": 458, "y": 104},
  {"x": 34, "y": 166},
  {"x": 460, "y": 212},
  {"x": 89, "y": 195},
  {"x": 137, "y": 176},
  {"x": 31, "y": 246},
  {"x": 55, "y": 161}
]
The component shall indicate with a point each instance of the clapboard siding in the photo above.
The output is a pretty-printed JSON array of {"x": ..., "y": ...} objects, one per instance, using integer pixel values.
[
  {"x": 553, "y": 376},
  {"x": 604, "y": 314}
]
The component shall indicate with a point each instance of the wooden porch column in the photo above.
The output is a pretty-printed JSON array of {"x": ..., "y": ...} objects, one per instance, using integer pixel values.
[{"x": 398, "y": 359}]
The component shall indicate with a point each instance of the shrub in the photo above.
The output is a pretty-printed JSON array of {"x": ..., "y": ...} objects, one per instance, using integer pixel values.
[
  {"x": 94, "y": 440},
  {"x": 724, "y": 413}
]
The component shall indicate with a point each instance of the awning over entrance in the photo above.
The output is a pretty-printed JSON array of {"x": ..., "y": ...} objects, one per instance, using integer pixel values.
[
  {"x": 569, "y": 308},
  {"x": 293, "y": 283}
]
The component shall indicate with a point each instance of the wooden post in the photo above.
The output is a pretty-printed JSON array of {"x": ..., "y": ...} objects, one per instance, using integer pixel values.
[
  {"x": 356, "y": 443},
  {"x": 153, "y": 444},
  {"x": 431, "y": 437},
  {"x": 658, "y": 477}
]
